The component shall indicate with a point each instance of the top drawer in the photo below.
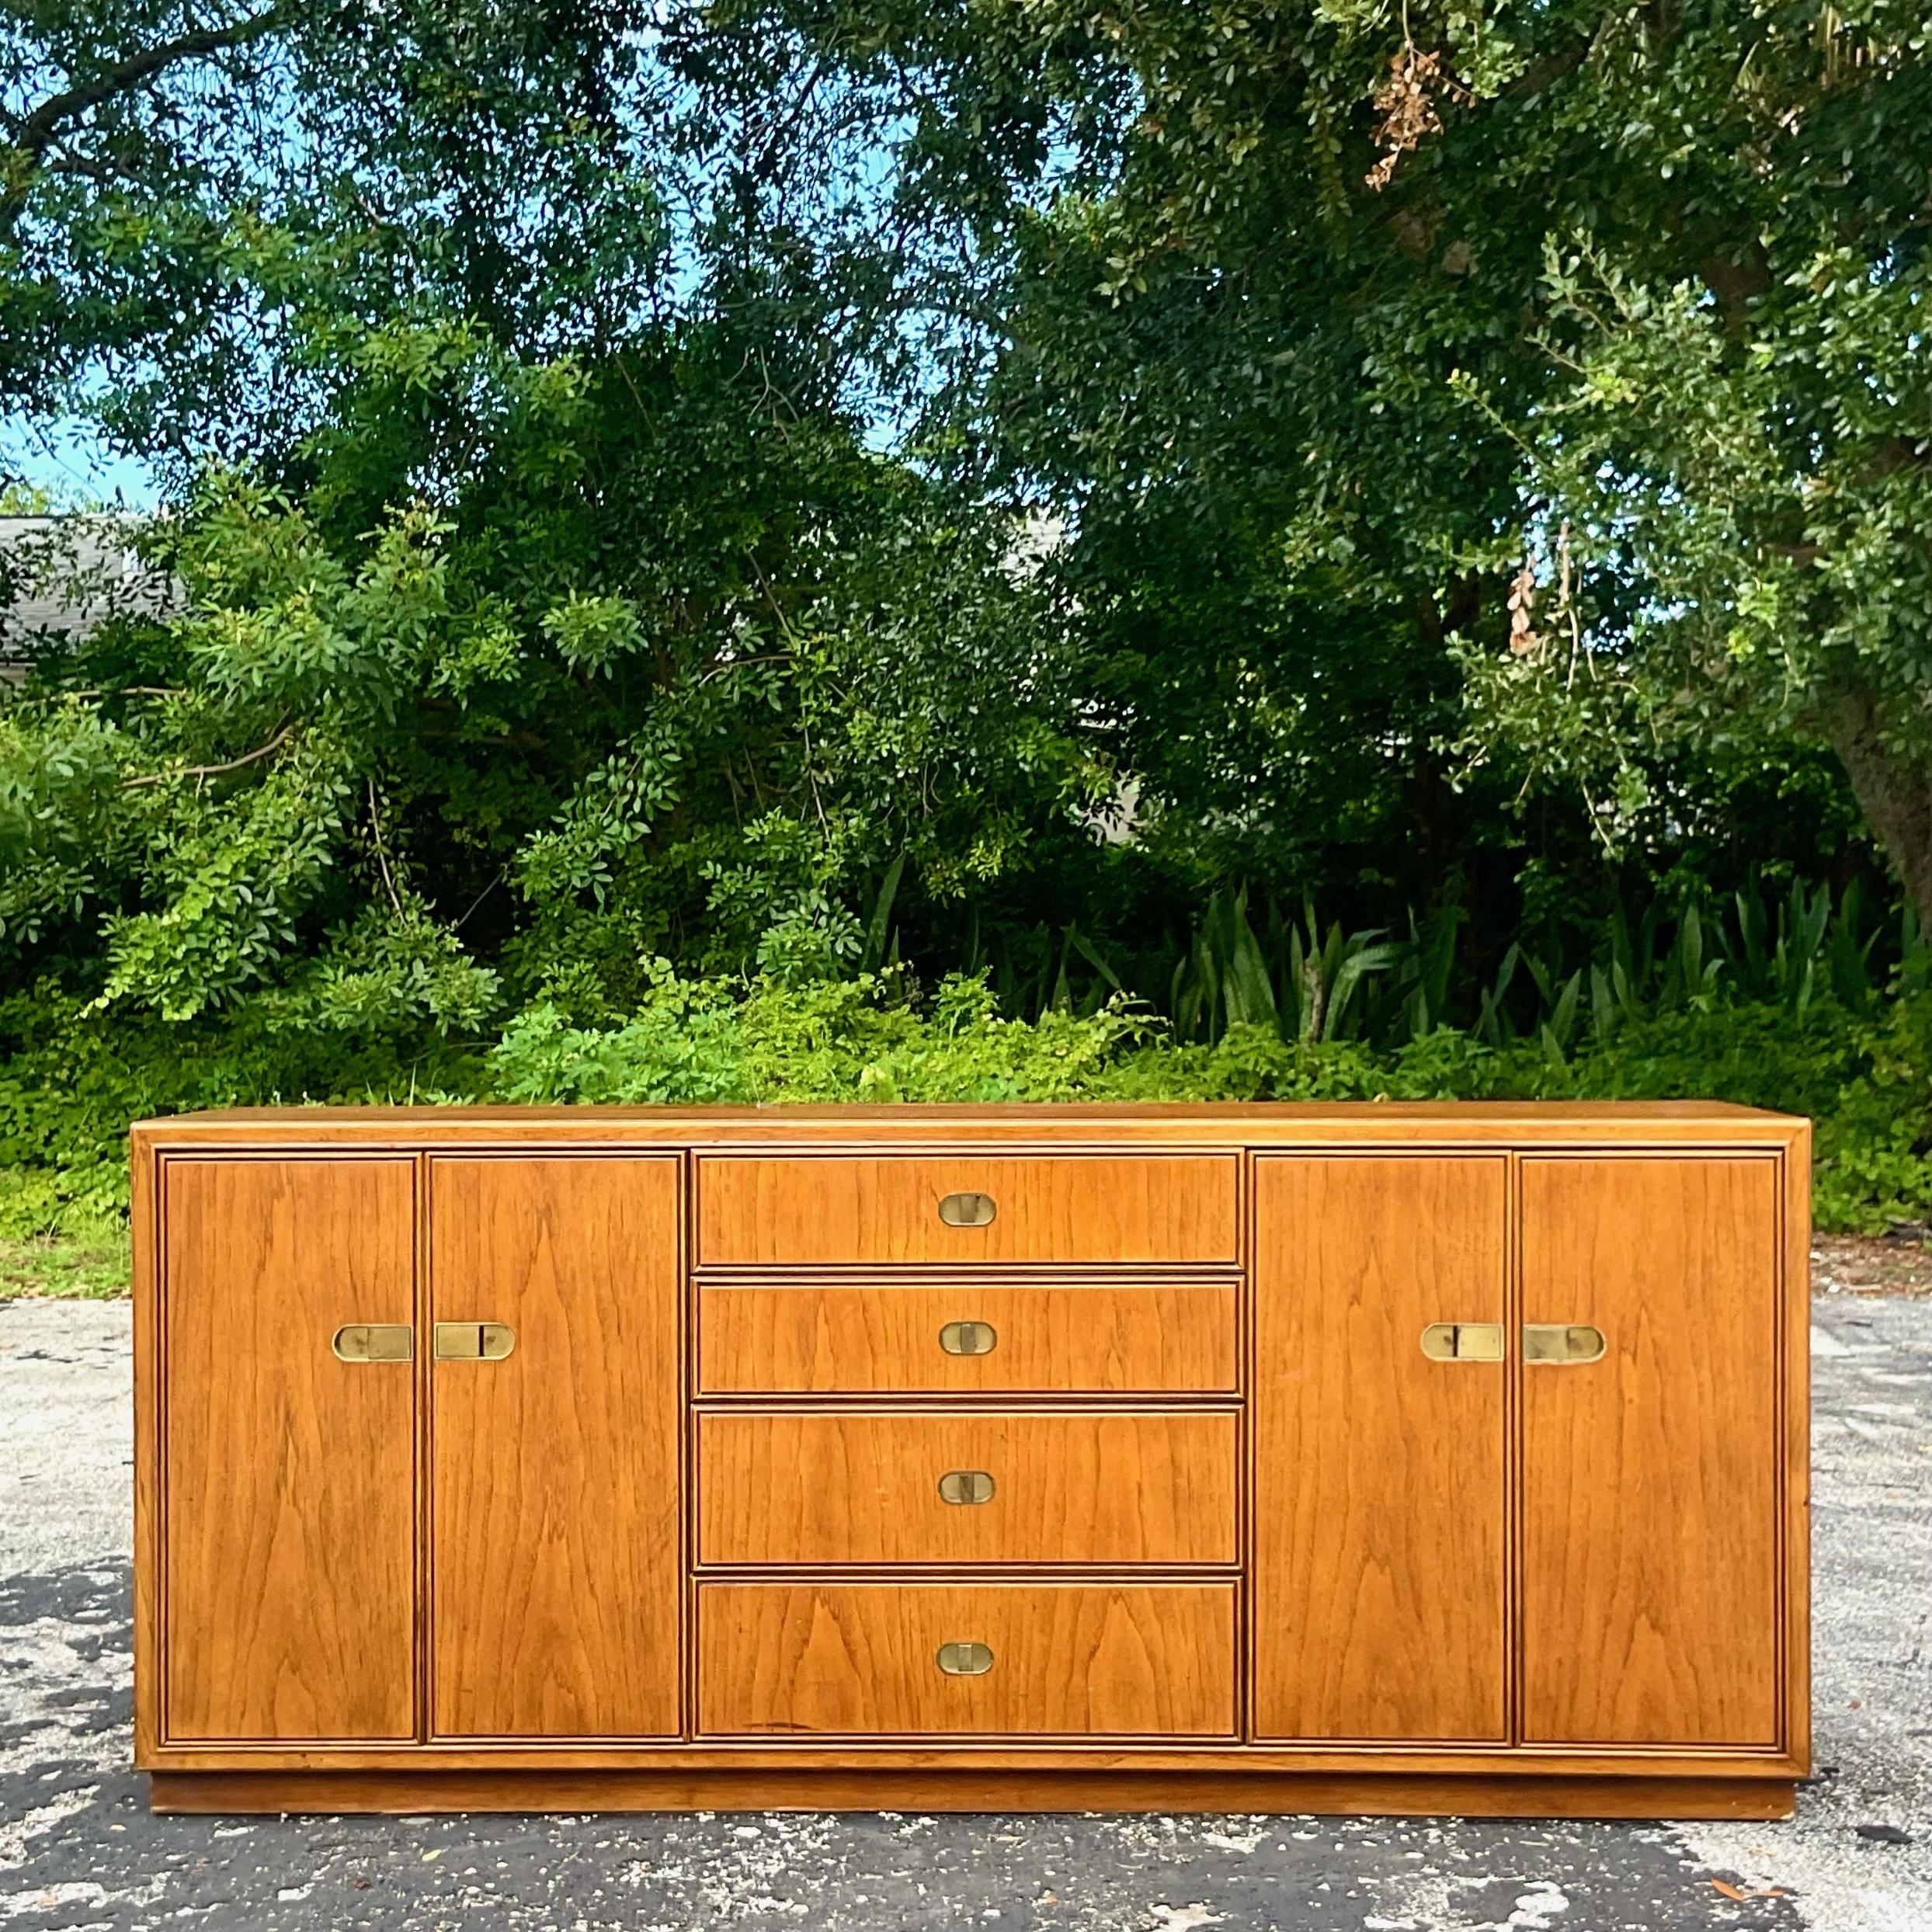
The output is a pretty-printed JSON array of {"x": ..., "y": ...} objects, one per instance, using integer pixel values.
[{"x": 798, "y": 1210}]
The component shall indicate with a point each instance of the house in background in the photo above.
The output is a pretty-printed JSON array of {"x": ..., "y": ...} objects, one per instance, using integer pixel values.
[{"x": 63, "y": 574}]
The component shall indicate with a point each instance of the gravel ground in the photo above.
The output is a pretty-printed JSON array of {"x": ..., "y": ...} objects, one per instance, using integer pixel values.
[{"x": 78, "y": 1849}]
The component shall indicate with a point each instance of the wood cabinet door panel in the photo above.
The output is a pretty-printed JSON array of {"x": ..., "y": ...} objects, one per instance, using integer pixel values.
[
  {"x": 1380, "y": 1474},
  {"x": 288, "y": 1506},
  {"x": 556, "y": 1556},
  {"x": 799, "y": 1211},
  {"x": 1651, "y": 1602},
  {"x": 859, "y": 1659},
  {"x": 1066, "y": 1489},
  {"x": 839, "y": 1339}
]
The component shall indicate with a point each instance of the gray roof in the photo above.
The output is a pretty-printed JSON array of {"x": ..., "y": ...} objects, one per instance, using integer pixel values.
[{"x": 62, "y": 576}]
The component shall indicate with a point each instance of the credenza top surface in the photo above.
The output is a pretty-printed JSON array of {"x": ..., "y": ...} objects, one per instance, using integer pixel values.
[{"x": 1232, "y": 1124}]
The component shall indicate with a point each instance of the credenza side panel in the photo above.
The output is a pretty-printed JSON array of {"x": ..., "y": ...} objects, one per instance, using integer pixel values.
[
  {"x": 1651, "y": 1577},
  {"x": 289, "y": 1513},
  {"x": 556, "y": 1553},
  {"x": 1379, "y": 1586}
]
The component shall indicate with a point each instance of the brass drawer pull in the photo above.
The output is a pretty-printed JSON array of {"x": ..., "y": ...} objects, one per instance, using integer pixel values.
[
  {"x": 966, "y": 1210},
  {"x": 474, "y": 1341},
  {"x": 1561, "y": 1341},
  {"x": 374, "y": 1342},
  {"x": 964, "y": 1659},
  {"x": 968, "y": 1338},
  {"x": 1463, "y": 1341},
  {"x": 966, "y": 1485}
]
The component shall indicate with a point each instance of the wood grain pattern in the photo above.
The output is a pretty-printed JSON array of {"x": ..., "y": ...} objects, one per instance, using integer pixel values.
[
  {"x": 885, "y": 1208},
  {"x": 1111, "y": 1488},
  {"x": 289, "y": 1485},
  {"x": 1697, "y": 1587},
  {"x": 145, "y": 1231},
  {"x": 1379, "y": 1585},
  {"x": 1094, "y": 1660},
  {"x": 982, "y": 1787},
  {"x": 843, "y": 1339},
  {"x": 1794, "y": 1339},
  {"x": 1076, "y": 1124},
  {"x": 555, "y": 1492},
  {"x": 1650, "y": 1592},
  {"x": 778, "y": 1754}
]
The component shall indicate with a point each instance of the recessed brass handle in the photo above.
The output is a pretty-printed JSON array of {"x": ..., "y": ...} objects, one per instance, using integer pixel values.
[
  {"x": 474, "y": 1341},
  {"x": 966, "y": 1485},
  {"x": 964, "y": 1659},
  {"x": 966, "y": 1210},
  {"x": 374, "y": 1342},
  {"x": 1463, "y": 1341},
  {"x": 1561, "y": 1341},
  {"x": 968, "y": 1338}
]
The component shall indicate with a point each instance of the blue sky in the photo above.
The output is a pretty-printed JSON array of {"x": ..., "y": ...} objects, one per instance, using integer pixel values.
[{"x": 68, "y": 459}]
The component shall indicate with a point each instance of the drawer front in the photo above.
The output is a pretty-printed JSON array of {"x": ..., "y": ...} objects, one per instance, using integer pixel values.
[
  {"x": 808, "y": 1209},
  {"x": 812, "y": 1489},
  {"x": 978, "y": 1659},
  {"x": 804, "y": 1338}
]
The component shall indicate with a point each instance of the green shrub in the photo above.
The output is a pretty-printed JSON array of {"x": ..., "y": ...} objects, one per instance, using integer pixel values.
[
  {"x": 73, "y": 1079},
  {"x": 1875, "y": 1142}
]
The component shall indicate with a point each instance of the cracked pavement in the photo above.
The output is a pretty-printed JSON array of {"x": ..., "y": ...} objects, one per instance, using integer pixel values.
[{"x": 79, "y": 1850}]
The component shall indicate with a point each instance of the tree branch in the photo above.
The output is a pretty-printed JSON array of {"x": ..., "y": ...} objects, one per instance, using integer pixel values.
[
  {"x": 382, "y": 857},
  {"x": 34, "y": 133},
  {"x": 212, "y": 771},
  {"x": 1736, "y": 276}
]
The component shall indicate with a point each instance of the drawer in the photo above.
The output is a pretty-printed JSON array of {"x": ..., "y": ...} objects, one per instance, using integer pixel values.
[
  {"x": 830, "y": 1489},
  {"x": 967, "y": 1659},
  {"x": 807, "y": 1209},
  {"x": 839, "y": 1338}
]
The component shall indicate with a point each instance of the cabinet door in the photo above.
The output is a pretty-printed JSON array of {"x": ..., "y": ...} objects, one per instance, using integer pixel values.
[
  {"x": 557, "y": 1564},
  {"x": 1379, "y": 1583},
  {"x": 289, "y": 1530},
  {"x": 1650, "y": 1592}
]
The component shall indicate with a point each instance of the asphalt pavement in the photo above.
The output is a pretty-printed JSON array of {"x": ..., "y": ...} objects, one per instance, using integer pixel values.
[{"x": 78, "y": 1849}]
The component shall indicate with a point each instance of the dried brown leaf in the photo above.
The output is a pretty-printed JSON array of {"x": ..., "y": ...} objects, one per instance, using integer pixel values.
[{"x": 1406, "y": 101}]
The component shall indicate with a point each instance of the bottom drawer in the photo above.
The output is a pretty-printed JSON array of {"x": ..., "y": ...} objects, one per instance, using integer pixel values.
[{"x": 959, "y": 1659}]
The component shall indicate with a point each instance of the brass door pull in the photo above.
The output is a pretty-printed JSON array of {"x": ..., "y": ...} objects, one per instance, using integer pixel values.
[
  {"x": 966, "y": 1210},
  {"x": 966, "y": 1485},
  {"x": 1463, "y": 1341},
  {"x": 964, "y": 1659},
  {"x": 472, "y": 1341},
  {"x": 968, "y": 1338},
  {"x": 1561, "y": 1341},
  {"x": 374, "y": 1342}
]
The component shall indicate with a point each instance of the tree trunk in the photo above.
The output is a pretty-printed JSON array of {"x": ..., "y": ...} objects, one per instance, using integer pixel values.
[{"x": 1893, "y": 787}]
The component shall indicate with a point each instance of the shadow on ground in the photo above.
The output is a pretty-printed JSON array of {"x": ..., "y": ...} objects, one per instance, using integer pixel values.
[{"x": 78, "y": 1848}]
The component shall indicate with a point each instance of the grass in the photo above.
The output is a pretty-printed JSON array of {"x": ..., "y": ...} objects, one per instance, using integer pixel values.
[{"x": 94, "y": 1270}]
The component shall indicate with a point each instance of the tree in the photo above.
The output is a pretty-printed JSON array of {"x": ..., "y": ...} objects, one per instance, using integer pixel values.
[
  {"x": 1577, "y": 349},
  {"x": 670, "y": 664},
  {"x": 557, "y": 606},
  {"x": 194, "y": 198},
  {"x": 550, "y": 610}
]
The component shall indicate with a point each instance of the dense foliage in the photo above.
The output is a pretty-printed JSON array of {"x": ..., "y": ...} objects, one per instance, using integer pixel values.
[
  {"x": 847, "y": 549},
  {"x": 68, "y": 1091},
  {"x": 1525, "y": 391}
]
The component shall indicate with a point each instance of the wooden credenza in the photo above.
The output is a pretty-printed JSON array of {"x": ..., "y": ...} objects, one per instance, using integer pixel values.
[{"x": 1387, "y": 1457}]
